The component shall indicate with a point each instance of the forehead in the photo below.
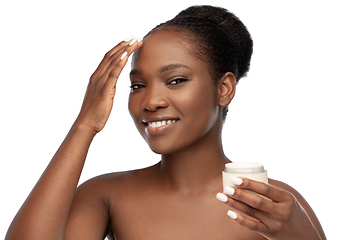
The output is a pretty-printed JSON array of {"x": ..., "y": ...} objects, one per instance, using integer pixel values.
[{"x": 162, "y": 48}]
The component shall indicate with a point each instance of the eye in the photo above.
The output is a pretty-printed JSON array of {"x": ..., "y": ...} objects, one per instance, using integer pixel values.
[
  {"x": 136, "y": 86},
  {"x": 177, "y": 81}
]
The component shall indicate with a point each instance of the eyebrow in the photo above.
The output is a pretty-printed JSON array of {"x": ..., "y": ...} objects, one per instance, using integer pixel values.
[
  {"x": 171, "y": 67},
  {"x": 162, "y": 70}
]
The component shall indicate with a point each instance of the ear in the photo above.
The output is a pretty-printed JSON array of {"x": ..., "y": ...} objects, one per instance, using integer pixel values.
[{"x": 226, "y": 89}]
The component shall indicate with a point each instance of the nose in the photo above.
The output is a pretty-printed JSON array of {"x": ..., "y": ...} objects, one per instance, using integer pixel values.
[{"x": 155, "y": 99}]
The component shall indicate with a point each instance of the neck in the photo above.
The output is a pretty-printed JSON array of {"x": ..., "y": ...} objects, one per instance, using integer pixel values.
[{"x": 197, "y": 168}]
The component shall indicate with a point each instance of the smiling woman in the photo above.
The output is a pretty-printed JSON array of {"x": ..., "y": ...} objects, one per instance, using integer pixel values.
[
  {"x": 175, "y": 85},
  {"x": 183, "y": 78}
]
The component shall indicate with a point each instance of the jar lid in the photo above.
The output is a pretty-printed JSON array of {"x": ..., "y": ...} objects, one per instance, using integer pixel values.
[{"x": 244, "y": 167}]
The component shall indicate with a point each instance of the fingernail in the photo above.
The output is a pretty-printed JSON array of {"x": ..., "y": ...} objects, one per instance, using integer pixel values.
[
  {"x": 221, "y": 197},
  {"x": 140, "y": 39},
  {"x": 133, "y": 41},
  {"x": 123, "y": 55},
  {"x": 232, "y": 214},
  {"x": 229, "y": 190},
  {"x": 236, "y": 181},
  {"x": 129, "y": 38}
]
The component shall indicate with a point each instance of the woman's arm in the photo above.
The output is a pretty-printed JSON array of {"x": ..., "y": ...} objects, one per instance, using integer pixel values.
[{"x": 45, "y": 212}]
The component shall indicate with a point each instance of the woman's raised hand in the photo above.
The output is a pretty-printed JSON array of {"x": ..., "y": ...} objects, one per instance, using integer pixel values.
[
  {"x": 272, "y": 212},
  {"x": 100, "y": 92},
  {"x": 45, "y": 212}
]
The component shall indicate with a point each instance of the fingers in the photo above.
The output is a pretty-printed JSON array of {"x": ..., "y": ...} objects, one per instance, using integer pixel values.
[
  {"x": 100, "y": 93},
  {"x": 118, "y": 63},
  {"x": 248, "y": 222},
  {"x": 257, "y": 206},
  {"x": 248, "y": 202},
  {"x": 267, "y": 210},
  {"x": 109, "y": 56},
  {"x": 271, "y": 192},
  {"x": 114, "y": 56},
  {"x": 251, "y": 207}
]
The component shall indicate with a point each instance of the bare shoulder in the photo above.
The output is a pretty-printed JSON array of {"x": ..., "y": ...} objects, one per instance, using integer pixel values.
[
  {"x": 302, "y": 201},
  {"x": 102, "y": 184},
  {"x": 92, "y": 206},
  {"x": 293, "y": 191},
  {"x": 285, "y": 187},
  {"x": 112, "y": 187}
]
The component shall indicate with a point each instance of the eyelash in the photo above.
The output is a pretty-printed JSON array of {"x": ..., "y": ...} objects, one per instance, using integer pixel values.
[
  {"x": 177, "y": 81},
  {"x": 136, "y": 86}
]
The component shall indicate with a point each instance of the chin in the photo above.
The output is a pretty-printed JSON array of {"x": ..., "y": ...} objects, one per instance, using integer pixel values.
[
  {"x": 161, "y": 150},
  {"x": 164, "y": 149}
]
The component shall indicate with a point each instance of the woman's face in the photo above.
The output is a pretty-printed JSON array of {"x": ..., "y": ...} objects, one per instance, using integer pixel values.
[{"x": 172, "y": 100}]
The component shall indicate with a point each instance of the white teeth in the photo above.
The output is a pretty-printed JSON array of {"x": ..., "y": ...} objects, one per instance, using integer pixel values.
[{"x": 160, "y": 123}]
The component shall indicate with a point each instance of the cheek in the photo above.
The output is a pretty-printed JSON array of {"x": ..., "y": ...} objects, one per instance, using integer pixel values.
[
  {"x": 131, "y": 106},
  {"x": 134, "y": 107},
  {"x": 198, "y": 107},
  {"x": 198, "y": 99}
]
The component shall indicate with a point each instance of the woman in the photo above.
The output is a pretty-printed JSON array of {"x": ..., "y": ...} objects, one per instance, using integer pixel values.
[{"x": 183, "y": 78}]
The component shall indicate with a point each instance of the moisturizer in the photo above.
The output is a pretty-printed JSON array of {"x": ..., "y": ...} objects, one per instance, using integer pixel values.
[{"x": 251, "y": 170}]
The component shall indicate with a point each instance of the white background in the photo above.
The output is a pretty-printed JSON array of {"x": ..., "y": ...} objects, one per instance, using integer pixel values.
[{"x": 297, "y": 112}]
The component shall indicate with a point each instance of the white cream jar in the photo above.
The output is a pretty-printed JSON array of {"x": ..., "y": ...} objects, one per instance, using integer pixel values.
[{"x": 251, "y": 170}]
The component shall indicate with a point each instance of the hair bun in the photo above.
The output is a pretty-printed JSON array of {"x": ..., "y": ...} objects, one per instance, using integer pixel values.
[
  {"x": 231, "y": 25},
  {"x": 217, "y": 37}
]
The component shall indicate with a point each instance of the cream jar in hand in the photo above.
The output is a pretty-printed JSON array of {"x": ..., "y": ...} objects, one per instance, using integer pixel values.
[{"x": 251, "y": 170}]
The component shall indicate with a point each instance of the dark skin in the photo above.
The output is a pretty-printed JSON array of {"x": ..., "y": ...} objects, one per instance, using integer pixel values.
[{"x": 174, "y": 199}]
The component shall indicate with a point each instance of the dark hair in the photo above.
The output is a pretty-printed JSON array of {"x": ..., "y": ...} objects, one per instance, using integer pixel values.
[{"x": 218, "y": 37}]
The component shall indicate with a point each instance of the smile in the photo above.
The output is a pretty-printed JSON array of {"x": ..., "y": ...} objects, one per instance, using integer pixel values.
[{"x": 158, "y": 124}]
